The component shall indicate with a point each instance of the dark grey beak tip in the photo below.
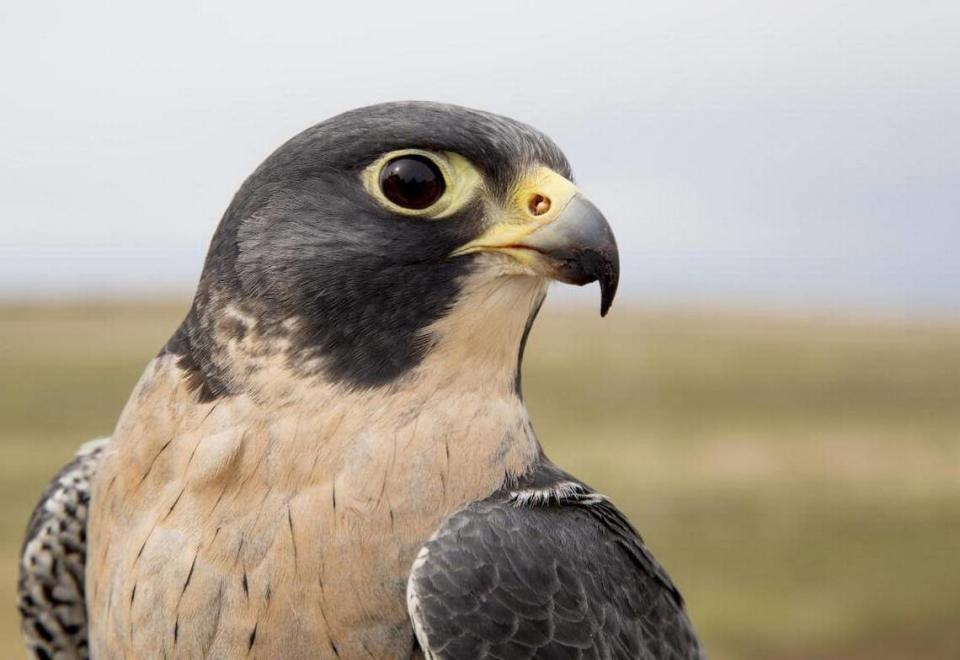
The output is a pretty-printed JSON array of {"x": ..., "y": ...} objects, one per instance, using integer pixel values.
[
  {"x": 608, "y": 288},
  {"x": 600, "y": 264},
  {"x": 599, "y": 257}
]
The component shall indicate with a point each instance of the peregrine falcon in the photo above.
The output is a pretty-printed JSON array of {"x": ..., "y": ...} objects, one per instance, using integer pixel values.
[{"x": 331, "y": 457}]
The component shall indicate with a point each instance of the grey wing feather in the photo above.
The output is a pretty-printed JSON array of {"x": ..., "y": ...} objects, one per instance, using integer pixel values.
[
  {"x": 53, "y": 558},
  {"x": 562, "y": 576}
]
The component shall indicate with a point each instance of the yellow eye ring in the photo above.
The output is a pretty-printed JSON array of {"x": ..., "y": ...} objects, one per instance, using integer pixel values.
[{"x": 424, "y": 184}]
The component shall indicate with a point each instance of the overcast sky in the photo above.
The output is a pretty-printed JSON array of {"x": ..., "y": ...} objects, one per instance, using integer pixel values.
[{"x": 796, "y": 153}]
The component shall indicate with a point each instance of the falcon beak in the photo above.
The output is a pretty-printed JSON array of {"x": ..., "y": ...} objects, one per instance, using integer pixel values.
[{"x": 556, "y": 232}]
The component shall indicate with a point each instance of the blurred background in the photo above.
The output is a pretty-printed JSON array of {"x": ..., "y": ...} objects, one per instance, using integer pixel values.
[{"x": 775, "y": 398}]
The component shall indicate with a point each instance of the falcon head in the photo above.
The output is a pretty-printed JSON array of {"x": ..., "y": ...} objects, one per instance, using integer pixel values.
[{"x": 362, "y": 243}]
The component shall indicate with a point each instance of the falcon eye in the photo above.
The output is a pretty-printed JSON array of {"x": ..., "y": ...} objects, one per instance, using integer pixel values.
[{"x": 412, "y": 181}]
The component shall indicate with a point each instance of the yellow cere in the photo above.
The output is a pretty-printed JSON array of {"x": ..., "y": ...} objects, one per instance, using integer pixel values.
[{"x": 519, "y": 220}]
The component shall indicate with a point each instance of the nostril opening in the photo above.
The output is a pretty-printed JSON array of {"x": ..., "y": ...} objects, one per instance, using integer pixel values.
[{"x": 538, "y": 204}]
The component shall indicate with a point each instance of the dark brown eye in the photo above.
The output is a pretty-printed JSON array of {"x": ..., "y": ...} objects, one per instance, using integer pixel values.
[{"x": 413, "y": 182}]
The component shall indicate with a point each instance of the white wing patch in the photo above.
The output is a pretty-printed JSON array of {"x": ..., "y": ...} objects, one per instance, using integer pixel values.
[
  {"x": 561, "y": 492},
  {"x": 413, "y": 601}
]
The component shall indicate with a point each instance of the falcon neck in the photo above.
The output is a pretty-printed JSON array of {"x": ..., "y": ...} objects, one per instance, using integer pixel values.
[
  {"x": 451, "y": 432},
  {"x": 466, "y": 386},
  {"x": 479, "y": 343},
  {"x": 476, "y": 346}
]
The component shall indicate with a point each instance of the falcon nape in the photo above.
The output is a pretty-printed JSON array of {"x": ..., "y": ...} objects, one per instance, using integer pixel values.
[{"x": 331, "y": 457}]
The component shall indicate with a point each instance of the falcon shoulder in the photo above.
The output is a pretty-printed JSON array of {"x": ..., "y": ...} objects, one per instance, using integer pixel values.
[
  {"x": 50, "y": 591},
  {"x": 546, "y": 569}
]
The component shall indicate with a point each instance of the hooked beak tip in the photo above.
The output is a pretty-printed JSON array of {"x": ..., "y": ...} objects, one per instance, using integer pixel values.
[{"x": 608, "y": 290}]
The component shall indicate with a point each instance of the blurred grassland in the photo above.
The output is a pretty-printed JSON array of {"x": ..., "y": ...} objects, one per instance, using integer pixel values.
[{"x": 799, "y": 476}]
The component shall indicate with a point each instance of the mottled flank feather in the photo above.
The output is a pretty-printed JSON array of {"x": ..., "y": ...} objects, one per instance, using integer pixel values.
[{"x": 51, "y": 587}]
